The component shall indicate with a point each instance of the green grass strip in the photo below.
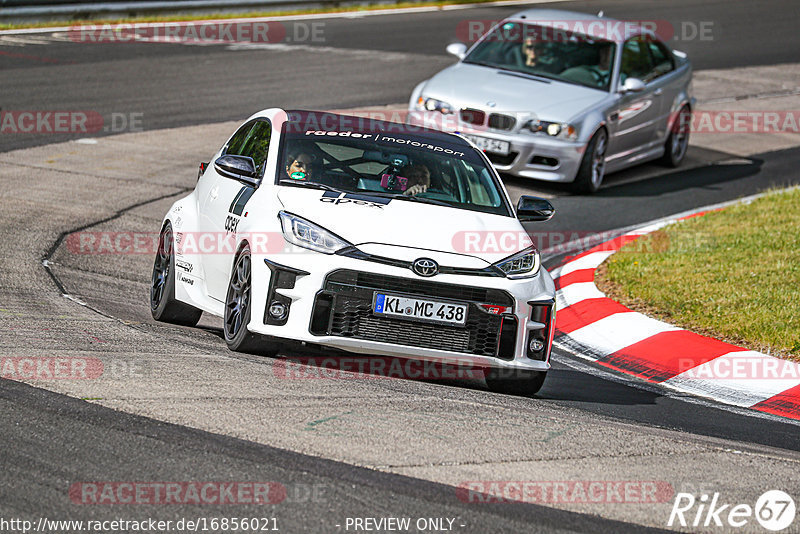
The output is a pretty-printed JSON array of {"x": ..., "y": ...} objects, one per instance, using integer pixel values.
[{"x": 732, "y": 274}]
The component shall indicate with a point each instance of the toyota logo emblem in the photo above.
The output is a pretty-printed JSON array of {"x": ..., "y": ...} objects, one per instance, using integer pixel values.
[{"x": 425, "y": 267}]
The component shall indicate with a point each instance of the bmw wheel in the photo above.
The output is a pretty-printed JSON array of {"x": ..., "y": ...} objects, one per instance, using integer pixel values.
[
  {"x": 163, "y": 305},
  {"x": 593, "y": 165},
  {"x": 678, "y": 139}
]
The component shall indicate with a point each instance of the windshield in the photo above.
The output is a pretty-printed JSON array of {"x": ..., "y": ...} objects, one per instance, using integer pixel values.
[
  {"x": 404, "y": 166},
  {"x": 547, "y": 52}
]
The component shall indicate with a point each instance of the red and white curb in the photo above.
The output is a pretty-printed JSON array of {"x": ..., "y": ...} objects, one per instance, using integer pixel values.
[{"x": 600, "y": 329}]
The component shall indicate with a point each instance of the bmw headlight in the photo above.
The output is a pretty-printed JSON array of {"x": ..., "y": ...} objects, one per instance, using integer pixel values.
[
  {"x": 561, "y": 130},
  {"x": 306, "y": 234},
  {"x": 431, "y": 104},
  {"x": 523, "y": 264}
]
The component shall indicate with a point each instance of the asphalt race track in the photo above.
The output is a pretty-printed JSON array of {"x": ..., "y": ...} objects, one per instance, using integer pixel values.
[{"x": 175, "y": 405}]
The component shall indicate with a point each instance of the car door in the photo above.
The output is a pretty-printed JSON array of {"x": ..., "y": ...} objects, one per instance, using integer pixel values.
[
  {"x": 636, "y": 114},
  {"x": 667, "y": 83},
  {"x": 227, "y": 201}
]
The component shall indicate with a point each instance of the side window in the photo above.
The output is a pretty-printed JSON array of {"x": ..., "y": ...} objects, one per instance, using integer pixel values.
[
  {"x": 252, "y": 140},
  {"x": 256, "y": 145},
  {"x": 662, "y": 58},
  {"x": 236, "y": 142},
  {"x": 636, "y": 61}
]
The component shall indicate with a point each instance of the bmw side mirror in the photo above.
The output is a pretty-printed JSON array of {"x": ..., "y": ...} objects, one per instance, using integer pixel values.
[
  {"x": 632, "y": 85},
  {"x": 457, "y": 49},
  {"x": 240, "y": 168},
  {"x": 534, "y": 209}
]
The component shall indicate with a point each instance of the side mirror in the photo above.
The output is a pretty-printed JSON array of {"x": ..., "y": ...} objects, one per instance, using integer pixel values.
[
  {"x": 240, "y": 168},
  {"x": 534, "y": 209},
  {"x": 457, "y": 49},
  {"x": 632, "y": 85}
]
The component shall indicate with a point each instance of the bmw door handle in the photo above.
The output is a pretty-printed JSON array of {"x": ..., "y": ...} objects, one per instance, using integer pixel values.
[{"x": 658, "y": 92}]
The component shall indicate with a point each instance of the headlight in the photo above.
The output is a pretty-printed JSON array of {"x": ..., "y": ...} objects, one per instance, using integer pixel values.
[
  {"x": 306, "y": 234},
  {"x": 553, "y": 129},
  {"x": 431, "y": 104},
  {"x": 521, "y": 265}
]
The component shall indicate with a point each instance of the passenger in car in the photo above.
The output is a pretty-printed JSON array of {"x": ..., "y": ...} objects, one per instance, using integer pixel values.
[
  {"x": 419, "y": 179},
  {"x": 300, "y": 166},
  {"x": 529, "y": 52}
]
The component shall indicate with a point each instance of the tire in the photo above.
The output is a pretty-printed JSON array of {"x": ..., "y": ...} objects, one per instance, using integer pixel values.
[
  {"x": 678, "y": 139},
  {"x": 592, "y": 169},
  {"x": 163, "y": 305},
  {"x": 237, "y": 310},
  {"x": 515, "y": 381}
]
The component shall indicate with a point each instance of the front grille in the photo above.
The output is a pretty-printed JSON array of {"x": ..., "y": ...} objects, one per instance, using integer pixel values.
[
  {"x": 344, "y": 309},
  {"x": 473, "y": 116},
  {"x": 501, "y": 122},
  {"x": 345, "y": 280}
]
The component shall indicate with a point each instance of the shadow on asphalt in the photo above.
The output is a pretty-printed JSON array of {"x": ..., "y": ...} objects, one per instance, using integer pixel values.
[
  {"x": 703, "y": 167},
  {"x": 579, "y": 387},
  {"x": 711, "y": 177}
]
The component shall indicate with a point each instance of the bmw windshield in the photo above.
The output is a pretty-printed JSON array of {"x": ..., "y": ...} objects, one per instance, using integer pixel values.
[
  {"x": 547, "y": 53},
  {"x": 389, "y": 160}
]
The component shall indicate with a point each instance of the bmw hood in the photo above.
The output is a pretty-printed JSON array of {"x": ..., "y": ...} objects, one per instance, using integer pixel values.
[
  {"x": 464, "y": 85},
  {"x": 404, "y": 229}
]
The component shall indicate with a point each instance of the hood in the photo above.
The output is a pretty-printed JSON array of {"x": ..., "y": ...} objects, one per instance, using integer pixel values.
[
  {"x": 404, "y": 229},
  {"x": 464, "y": 85}
]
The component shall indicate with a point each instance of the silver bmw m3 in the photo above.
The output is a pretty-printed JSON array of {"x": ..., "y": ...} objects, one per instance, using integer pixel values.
[{"x": 562, "y": 96}]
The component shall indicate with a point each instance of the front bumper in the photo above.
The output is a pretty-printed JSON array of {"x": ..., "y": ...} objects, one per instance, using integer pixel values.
[
  {"x": 531, "y": 156},
  {"x": 330, "y": 305}
]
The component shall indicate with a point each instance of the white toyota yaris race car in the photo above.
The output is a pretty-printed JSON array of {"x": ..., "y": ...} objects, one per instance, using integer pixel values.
[{"x": 367, "y": 236}]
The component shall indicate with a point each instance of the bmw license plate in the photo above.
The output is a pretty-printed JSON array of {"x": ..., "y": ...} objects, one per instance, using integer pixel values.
[
  {"x": 419, "y": 309},
  {"x": 490, "y": 145}
]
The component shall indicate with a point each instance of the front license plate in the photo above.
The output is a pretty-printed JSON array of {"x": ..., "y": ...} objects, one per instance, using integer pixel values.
[
  {"x": 419, "y": 309},
  {"x": 491, "y": 145}
]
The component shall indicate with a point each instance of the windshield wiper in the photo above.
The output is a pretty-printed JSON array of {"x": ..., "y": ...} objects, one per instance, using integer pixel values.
[
  {"x": 536, "y": 76},
  {"x": 313, "y": 185},
  {"x": 529, "y": 75}
]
